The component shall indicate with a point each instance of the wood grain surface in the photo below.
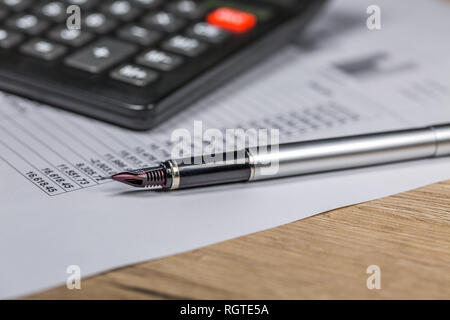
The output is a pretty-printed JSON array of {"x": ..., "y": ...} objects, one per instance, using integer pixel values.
[{"x": 322, "y": 257}]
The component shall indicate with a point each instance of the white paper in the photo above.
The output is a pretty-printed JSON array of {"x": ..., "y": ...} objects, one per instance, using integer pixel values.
[{"x": 56, "y": 213}]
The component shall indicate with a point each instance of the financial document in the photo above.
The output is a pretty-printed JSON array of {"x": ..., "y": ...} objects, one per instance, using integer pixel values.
[{"x": 339, "y": 79}]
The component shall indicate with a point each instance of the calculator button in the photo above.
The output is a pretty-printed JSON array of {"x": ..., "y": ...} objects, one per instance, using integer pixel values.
[
  {"x": 188, "y": 9},
  {"x": 139, "y": 35},
  {"x": 122, "y": 10},
  {"x": 83, "y": 4},
  {"x": 184, "y": 45},
  {"x": 134, "y": 75},
  {"x": 159, "y": 60},
  {"x": 43, "y": 49},
  {"x": 71, "y": 37},
  {"x": 16, "y": 5},
  {"x": 54, "y": 10},
  {"x": 147, "y": 4},
  {"x": 232, "y": 19},
  {"x": 207, "y": 32},
  {"x": 100, "y": 55},
  {"x": 99, "y": 23},
  {"x": 163, "y": 21},
  {"x": 9, "y": 39},
  {"x": 27, "y": 23}
]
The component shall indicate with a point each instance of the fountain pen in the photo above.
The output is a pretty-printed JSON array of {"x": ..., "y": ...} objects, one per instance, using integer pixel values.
[{"x": 291, "y": 159}]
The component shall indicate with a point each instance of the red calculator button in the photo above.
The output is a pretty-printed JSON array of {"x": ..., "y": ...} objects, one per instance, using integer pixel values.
[{"x": 232, "y": 19}]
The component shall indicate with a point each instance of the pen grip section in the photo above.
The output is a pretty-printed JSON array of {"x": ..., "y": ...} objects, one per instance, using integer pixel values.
[{"x": 210, "y": 169}]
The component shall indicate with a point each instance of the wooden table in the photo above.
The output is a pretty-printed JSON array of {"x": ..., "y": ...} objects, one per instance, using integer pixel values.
[{"x": 322, "y": 257}]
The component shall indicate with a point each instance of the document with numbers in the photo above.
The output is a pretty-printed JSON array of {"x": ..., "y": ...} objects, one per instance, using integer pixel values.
[{"x": 57, "y": 210}]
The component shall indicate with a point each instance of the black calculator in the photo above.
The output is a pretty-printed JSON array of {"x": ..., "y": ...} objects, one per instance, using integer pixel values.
[{"x": 135, "y": 63}]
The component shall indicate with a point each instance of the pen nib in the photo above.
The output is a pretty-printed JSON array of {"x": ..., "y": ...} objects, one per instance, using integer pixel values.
[
  {"x": 129, "y": 178},
  {"x": 145, "y": 178}
]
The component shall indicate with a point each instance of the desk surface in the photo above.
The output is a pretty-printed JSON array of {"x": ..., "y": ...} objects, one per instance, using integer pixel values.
[{"x": 322, "y": 257}]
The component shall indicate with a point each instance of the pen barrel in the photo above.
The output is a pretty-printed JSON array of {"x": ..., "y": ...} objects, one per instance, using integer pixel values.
[
  {"x": 443, "y": 140},
  {"x": 349, "y": 152}
]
